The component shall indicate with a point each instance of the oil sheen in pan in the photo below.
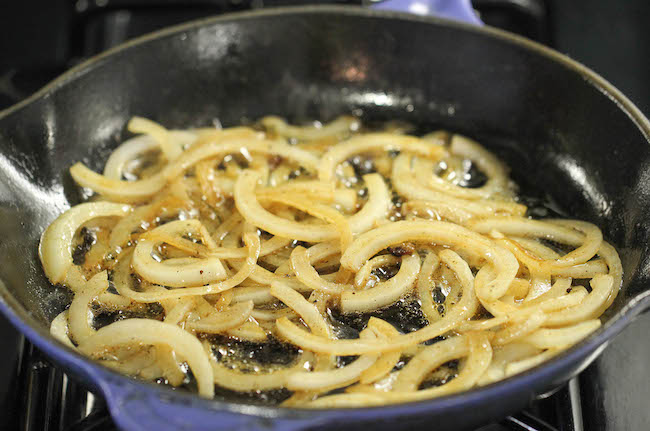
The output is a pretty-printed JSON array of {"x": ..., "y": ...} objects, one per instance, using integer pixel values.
[{"x": 405, "y": 315}]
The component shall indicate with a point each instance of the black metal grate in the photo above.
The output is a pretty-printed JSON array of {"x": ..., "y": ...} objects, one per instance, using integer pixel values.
[{"x": 49, "y": 401}]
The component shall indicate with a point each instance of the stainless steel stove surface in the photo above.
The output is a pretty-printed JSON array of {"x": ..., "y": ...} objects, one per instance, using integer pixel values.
[{"x": 611, "y": 37}]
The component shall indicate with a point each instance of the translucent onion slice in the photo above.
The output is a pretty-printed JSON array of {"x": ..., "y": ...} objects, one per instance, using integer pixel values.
[
  {"x": 518, "y": 330},
  {"x": 585, "y": 236},
  {"x": 59, "y": 329},
  {"x": 491, "y": 166},
  {"x": 261, "y": 275},
  {"x": 128, "y": 151},
  {"x": 303, "y": 158},
  {"x": 424, "y": 287},
  {"x": 550, "y": 305},
  {"x": 190, "y": 236},
  {"x": 157, "y": 132},
  {"x": 255, "y": 214},
  {"x": 336, "y": 378},
  {"x": 221, "y": 147},
  {"x": 375, "y": 209},
  {"x": 384, "y": 293},
  {"x": 170, "y": 367},
  {"x": 307, "y": 274},
  {"x": 135, "y": 191},
  {"x": 362, "y": 276},
  {"x": 247, "y": 204},
  {"x": 322, "y": 212},
  {"x": 337, "y": 128},
  {"x": 318, "y": 190},
  {"x": 55, "y": 248},
  {"x": 561, "y": 337},
  {"x": 175, "y": 272},
  {"x": 178, "y": 272},
  {"x": 443, "y": 211},
  {"x": 317, "y": 253},
  {"x": 374, "y": 142},
  {"x": 463, "y": 310},
  {"x": 220, "y": 321},
  {"x": 268, "y": 247},
  {"x": 153, "y": 332},
  {"x": 613, "y": 261},
  {"x": 521, "y": 365},
  {"x": 406, "y": 184},
  {"x": 602, "y": 286},
  {"x": 312, "y": 316},
  {"x": 477, "y": 362},
  {"x": 387, "y": 361},
  {"x": 176, "y": 311},
  {"x": 76, "y": 282},
  {"x": 257, "y": 294},
  {"x": 306, "y": 310},
  {"x": 588, "y": 269},
  {"x": 142, "y": 217},
  {"x": 250, "y": 330},
  {"x": 272, "y": 315},
  {"x": 427, "y": 360},
  {"x": 425, "y": 175},
  {"x": 79, "y": 313},
  {"x": 121, "y": 279},
  {"x": 118, "y": 190},
  {"x": 479, "y": 356},
  {"x": 133, "y": 148},
  {"x": 370, "y": 243},
  {"x": 504, "y": 355}
]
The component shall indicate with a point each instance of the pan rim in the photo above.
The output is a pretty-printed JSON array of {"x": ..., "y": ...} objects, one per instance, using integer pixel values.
[{"x": 21, "y": 318}]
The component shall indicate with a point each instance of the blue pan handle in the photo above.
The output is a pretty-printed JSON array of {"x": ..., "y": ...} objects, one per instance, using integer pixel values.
[
  {"x": 459, "y": 10},
  {"x": 134, "y": 408}
]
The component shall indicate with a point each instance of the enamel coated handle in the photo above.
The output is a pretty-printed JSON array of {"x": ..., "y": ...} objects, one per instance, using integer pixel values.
[
  {"x": 135, "y": 408},
  {"x": 459, "y": 10}
]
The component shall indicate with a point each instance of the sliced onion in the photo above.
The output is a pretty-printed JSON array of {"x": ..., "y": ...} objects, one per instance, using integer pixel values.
[
  {"x": 384, "y": 293},
  {"x": 374, "y": 142},
  {"x": 118, "y": 190},
  {"x": 147, "y": 331},
  {"x": 55, "y": 248}
]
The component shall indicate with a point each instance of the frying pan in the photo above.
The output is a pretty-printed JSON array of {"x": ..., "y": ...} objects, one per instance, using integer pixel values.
[{"x": 561, "y": 127}]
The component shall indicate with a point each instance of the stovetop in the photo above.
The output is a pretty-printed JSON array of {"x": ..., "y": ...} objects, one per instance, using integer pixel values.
[{"x": 611, "y": 37}]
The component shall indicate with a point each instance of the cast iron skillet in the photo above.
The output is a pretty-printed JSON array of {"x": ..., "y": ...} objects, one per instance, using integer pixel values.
[{"x": 562, "y": 128}]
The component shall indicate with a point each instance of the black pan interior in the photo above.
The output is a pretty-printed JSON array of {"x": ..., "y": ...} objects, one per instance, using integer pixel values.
[{"x": 562, "y": 134}]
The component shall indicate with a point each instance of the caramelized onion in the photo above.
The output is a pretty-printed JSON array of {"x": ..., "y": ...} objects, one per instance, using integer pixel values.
[{"x": 306, "y": 264}]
